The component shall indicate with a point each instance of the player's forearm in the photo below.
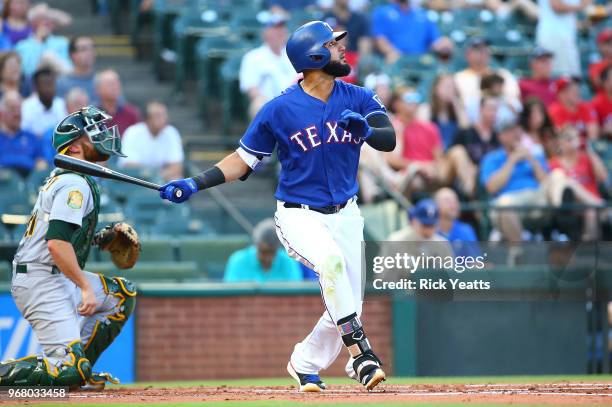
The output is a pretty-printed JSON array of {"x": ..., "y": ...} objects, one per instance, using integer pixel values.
[
  {"x": 231, "y": 168},
  {"x": 65, "y": 259},
  {"x": 383, "y": 133}
]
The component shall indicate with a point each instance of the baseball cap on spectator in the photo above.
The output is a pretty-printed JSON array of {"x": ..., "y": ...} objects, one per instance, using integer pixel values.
[
  {"x": 605, "y": 35},
  {"x": 412, "y": 96},
  {"x": 506, "y": 124},
  {"x": 477, "y": 42},
  {"x": 372, "y": 80},
  {"x": 564, "y": 82},
  {"x": 539, "y": 52},
  {"x": 425, "y": 211},
  {"x": 269, "y": 19}
]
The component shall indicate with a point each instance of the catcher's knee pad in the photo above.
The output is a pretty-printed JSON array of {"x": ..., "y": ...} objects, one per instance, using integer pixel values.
[
  {"x": 34, "y": 370},
  {"x": 105, "y": 331}
]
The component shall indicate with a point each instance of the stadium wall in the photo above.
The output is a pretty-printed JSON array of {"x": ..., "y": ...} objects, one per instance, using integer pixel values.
[{"x": 236, "y": 335}]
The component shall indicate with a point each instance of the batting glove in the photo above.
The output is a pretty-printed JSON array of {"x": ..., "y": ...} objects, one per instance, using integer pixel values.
[
  {"x": 178, "y": 191},
  {"x": 355, "y": 124}
]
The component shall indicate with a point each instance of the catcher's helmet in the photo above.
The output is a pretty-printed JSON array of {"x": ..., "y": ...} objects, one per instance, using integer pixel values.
[
  {"x": 306, "y": 46},
  {"x": 92, "y": 122}
]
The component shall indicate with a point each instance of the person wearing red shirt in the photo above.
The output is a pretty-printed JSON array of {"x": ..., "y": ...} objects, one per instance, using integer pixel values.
[
  {"x": 541, "y": 84},
  {"x": 604, "y": 43},
  {"x": 569, "y": 109},
  {"x": 602, "y": 103},
  {"x": 419, "y": 152},
  {"x": 581, "y": 172}
]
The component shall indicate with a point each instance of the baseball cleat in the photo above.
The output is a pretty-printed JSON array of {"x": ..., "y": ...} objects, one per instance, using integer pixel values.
[
  {"x": 373, "y": 378},
  {"x": 309, "y": 383}
]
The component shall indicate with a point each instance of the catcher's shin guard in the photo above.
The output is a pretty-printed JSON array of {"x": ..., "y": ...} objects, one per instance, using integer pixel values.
[
  {"x": 105, "y": 332},
  {"x": 34, "y": 370},
  {"x": 366, "y": 364}
]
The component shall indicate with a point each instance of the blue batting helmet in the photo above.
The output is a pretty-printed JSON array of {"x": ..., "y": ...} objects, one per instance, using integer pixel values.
[{"x": 306, "y": 46}]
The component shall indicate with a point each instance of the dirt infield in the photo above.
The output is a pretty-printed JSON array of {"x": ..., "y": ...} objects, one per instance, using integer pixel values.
[{"x": 558, "y": 394}]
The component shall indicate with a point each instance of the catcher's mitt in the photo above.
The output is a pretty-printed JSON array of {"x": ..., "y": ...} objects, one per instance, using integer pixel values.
[{"x": 121, "y": 240}]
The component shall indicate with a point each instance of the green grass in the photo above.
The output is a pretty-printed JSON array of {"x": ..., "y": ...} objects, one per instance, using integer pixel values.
[{"x": 392, "y": 380}]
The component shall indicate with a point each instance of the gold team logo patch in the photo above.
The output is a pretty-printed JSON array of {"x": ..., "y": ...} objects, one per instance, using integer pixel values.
[{"x": 75, "y": 199}]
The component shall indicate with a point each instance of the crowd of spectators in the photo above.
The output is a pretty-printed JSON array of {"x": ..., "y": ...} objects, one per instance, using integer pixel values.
[
  {"x": 46, "y": 76},
  {"x": 482, "y": 130}
]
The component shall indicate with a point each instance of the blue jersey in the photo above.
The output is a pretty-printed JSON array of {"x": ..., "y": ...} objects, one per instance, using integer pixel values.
[{"x": 319, "y": 160}]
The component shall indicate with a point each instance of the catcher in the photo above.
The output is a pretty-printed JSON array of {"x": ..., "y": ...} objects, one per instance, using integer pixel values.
[{"x": 75, "y": 314}]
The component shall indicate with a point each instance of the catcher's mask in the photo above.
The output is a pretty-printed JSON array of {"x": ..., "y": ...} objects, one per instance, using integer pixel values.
[{"x": 92, "y": 122}]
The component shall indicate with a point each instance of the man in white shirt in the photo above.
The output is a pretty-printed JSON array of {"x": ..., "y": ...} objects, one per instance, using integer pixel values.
[
  {"x": 557, "y": 31},
  {"x": 478, "y": 56},
  {"x": 154, "y": 144},
  {"x": 266, "y": 71},
  {"x": 43, "y": 109}
]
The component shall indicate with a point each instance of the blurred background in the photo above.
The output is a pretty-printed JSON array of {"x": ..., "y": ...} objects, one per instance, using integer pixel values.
[{"x": 472, "y": 86}]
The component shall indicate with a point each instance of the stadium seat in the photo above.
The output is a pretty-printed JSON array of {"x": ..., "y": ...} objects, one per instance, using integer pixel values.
[
  {"x": 149, "y": 271},
  {"x": 5, "y": 271},
  {"x": 211, "y": 254},
  {"x": 10, "y": 182},
  {"x": 234, "y": 103},
  {"x": 188, "y": 29},
  {"x": 36, "y": 178},
  {"x": 165, "y": 12},
  {"x": 142, "y": 210}
]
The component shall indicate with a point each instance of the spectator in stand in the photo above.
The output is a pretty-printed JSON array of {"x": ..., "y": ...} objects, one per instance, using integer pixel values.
[
  {"x": 513, "y": 176},
  {"x": 538, "y": 131},
  {"x": 359, "y": 43},
  {"x": 424, "y": 217},
  {"x": 75, "y": 99},
  {"x": 541, "y": 84},
  {"x": 471, "y": 144},
  {"x": 154, "y": 144},
  {"x": 402, "y": 29},
  {"x": 266, "y": 71},
  {"x": 493, "y": 85},
  {"x": 419, "y": 151},
  {"x": 374, "y": 168},
  {"x": 11, "y": 77},
  {"x": 109, "y": 95},
  {"x": 581, "y": 171},
  {"x": 15, "y": 23},
  {"x": 478, "y": 56},
  {"x": 285, "y": 7},
  {"x": 602, "y": 103},
  {"x": 263, "y": 261},
  {"x": 461, "y": 235},
  {"x": 19, "y": 149},
  {"x": 43, "y": 109},
  {"x": 557, "y": 31},
  {"x": 604, "y": 43},
  {"x": 83, "y": 57},
  {"x": 446, "y": 109},
  {"x": 42, "y": 42},
  {"x": 570, "y": 109}
]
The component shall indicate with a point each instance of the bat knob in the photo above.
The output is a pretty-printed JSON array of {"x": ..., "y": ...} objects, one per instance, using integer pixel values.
[{"x": 178, "y": 193}]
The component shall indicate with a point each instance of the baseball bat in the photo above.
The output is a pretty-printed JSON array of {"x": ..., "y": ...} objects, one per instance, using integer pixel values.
[{"x": 95, "y": 170}]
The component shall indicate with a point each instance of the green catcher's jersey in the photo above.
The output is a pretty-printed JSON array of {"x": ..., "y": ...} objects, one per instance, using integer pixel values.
[{"x": 65, "y": 196}]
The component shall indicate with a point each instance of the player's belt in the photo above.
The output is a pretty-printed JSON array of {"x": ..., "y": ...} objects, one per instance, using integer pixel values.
[
  {"x": 325, "y": 210},
  {"x": 23, "y": 269}
]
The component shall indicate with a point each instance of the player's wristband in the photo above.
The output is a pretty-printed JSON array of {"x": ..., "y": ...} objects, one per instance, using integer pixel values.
[{"x": 209, "y": 178}]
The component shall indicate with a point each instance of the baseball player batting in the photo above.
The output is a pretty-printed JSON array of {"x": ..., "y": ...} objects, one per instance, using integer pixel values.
[
  {"x": 318, "y": 126},
  {"x": 75, "y": 314}
]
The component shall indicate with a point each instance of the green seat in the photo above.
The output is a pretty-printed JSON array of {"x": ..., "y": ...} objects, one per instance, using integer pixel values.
[
  {"x": 165, "y": 13},
  {"x": 234, "y": 103},
  {"x": 211, "y": 254},
  {"x": 149, "y": 270},
  {"x": 211, "y": 53},
  {"x": 188, "y": 29},
  {"x": 5, "y": 271}
]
